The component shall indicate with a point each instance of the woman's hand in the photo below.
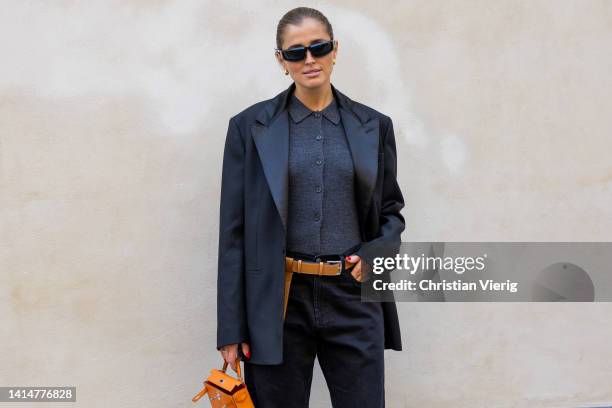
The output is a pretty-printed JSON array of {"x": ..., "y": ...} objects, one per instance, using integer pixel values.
[
  {"x": 230, "y": 353},
  {"x": 355, "y": 270}
]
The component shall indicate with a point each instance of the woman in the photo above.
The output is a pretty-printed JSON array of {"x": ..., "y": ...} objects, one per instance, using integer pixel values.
[{"x": 309, "y": 182}]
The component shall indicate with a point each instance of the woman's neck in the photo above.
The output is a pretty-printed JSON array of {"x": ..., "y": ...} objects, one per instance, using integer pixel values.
[{"x": 315, "y": 99}]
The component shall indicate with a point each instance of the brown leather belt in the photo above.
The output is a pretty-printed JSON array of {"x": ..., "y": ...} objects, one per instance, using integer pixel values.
[
  {"x": 313, "y": 268},
  {"x": 327, "y": 268}
]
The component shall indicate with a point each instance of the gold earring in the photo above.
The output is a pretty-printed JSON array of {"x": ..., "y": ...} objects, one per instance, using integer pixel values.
[
  {"x": 286, "y": 72},
  {"x": 334, "y": 61}
]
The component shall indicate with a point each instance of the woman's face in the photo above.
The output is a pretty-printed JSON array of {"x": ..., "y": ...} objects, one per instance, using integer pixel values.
[{"x": 310, "y": 31}]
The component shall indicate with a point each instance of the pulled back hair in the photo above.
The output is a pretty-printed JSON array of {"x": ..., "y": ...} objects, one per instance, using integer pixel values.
[{"x": 295, "y": 17}]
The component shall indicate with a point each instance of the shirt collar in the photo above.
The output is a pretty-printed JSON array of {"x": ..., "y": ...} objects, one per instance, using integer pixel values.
[{"x": 299, "y": 111}]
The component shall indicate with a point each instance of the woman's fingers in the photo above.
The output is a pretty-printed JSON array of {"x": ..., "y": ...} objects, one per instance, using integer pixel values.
[
  {"x": 246, "y": 350},
  {"x": 353, "y": 258},
  {"x": 355, "y": 270},
  {"x": 229, "y": 354},
  {"x": 231, "y": 358}
]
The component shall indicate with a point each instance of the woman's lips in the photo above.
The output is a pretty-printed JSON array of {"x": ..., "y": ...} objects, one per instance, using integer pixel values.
[{"x": 313, "y": 74}]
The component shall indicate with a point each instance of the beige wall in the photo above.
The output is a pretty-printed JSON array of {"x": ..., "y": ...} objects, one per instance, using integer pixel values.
[{"x": 112, "y": 122}]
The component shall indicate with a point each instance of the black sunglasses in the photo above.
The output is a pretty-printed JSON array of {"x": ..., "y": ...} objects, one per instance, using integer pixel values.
[{"x": 299, "y": 53}]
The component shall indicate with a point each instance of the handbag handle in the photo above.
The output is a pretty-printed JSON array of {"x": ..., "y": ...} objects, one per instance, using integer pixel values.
[
  {"x": 225, "y": 364},
  {"x": 199, "y": 395}
]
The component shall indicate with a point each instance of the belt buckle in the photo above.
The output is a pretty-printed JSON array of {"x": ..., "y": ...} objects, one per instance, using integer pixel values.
[{"x": 339, "y": 261}]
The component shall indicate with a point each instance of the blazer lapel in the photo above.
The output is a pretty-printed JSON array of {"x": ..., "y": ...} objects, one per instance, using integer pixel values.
[
  {"x": 272, "y": 144},
  {"x": 363, "y": 142},
  {"x": 271, "y": 138}
]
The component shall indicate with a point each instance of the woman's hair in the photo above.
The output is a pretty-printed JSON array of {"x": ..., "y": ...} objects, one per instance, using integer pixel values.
[{"x": 295, "y": 17}]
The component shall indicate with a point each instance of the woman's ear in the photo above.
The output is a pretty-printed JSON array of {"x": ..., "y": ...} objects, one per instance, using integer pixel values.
[{"x": 279, "y": 58}]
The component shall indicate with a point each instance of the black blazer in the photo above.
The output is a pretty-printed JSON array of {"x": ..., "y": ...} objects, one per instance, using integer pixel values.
[{"x": 253, "y": 216}]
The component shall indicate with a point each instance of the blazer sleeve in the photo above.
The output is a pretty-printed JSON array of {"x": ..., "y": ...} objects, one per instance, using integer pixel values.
[
  {"x": 231, "y": 313},
  {"x": 391, "y": 222}
]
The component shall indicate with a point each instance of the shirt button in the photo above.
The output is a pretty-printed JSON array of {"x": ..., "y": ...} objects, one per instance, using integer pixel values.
[
  {"x": 319, "y": 137},
  {"x": 317, "y": 217},
  {"x": 318, "y": 189},
  {"x": 319, "y": 161},
  {"x": 317, "y": 114}
]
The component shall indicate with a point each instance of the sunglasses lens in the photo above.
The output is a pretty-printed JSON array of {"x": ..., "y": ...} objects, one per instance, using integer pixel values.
[
  {"x": 294, "y": 54},
  {"x": 319, "y": 50}
]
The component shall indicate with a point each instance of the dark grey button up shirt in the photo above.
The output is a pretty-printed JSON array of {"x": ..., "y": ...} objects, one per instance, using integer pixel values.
[{"x": 322, "y": 213}]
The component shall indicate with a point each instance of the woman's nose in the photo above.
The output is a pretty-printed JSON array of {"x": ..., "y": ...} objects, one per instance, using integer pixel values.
[{"x": 309, "y": 57}]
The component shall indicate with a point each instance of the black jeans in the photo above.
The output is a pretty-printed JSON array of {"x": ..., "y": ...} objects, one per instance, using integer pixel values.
[{"x": 325, "y": 319}]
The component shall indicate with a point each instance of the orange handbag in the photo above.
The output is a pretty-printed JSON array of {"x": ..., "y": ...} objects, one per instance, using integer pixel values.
[{"x": 225, "y": 391}]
